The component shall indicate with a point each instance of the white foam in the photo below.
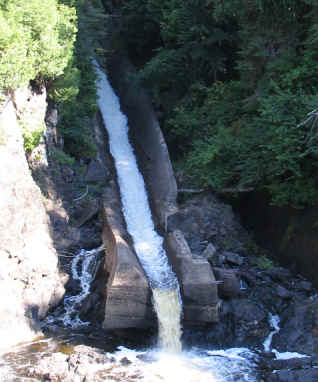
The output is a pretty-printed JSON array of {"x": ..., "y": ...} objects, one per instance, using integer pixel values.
[
  {"x": 288, "y": 355},
  {"x": 85, "y": 276},
  {"x": 274, "y": 323},
  {"x": 147, "y": 243},
  {"x": 190, "y": 366}
]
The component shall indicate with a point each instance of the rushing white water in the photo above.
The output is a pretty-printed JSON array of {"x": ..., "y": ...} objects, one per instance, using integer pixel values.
[
  {"x": 147, "y": 243},
  {"x": 85, "y": 276},
  {"x": 274, "y": 321},
  {"x": 84, "y": 267},
  {"x": 190, "y": 366}
]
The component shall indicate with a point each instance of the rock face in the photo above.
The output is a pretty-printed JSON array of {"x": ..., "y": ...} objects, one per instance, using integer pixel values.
[
  {"x": 128, "y": 301},
  {"x": 30, "y": 283},
  {"x": 290, "y": 234}
]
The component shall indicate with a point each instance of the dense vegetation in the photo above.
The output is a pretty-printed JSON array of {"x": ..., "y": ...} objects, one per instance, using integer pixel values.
[
  {"x": 234, "y": 82},
  {"x": 46, "y": 43}
]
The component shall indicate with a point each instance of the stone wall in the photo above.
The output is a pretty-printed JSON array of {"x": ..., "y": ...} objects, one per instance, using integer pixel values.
[{"x": 128, "y": 297}]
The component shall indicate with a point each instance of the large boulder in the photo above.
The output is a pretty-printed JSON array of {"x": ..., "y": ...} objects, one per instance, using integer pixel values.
[
  {"x": 128, "y": 299},
  {"x": 30, "y": 283}
]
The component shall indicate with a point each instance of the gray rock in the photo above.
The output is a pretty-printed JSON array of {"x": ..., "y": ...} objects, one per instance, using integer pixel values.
[
  {"x": 96, "y": 173},
  {"x": 279, "y": 364},
  {"x": 209, "y": 251},
  {"x": 204, "y": 218},
  {"x": 299, "y": 332},
  {"x": 233, "y": 258},
  {"x": 305, "y": 286},
  {"x": 88, "y": 209},
  {"x": 29, "y": 274},
  {"x": 245, "y": 310},
  {"x": 305, "y": 375},
  {"x": 283, "y": 292}
]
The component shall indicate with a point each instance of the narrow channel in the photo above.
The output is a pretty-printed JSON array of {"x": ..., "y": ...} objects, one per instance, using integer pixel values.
[{"x": 136, "y": 210}]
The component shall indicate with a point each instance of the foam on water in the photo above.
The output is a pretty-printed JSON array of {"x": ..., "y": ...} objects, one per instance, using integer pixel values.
[
  {"x": 86, "y": 275},
  {"x": 190, "y": 366},
  {"x": 274, "y": 321}
]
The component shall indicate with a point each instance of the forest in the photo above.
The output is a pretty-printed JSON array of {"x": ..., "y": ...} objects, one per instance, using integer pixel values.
[
  {"x": 235, "y": 85},
  {"x": 233, "y": 82}
]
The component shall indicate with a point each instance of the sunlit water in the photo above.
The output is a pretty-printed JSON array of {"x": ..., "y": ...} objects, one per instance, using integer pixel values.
[
  {"x": 135, "y": 205},
  {"x": 196, "y": 365}
]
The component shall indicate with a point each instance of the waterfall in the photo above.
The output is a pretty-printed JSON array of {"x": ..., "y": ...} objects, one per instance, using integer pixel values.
[
  {"x": 88, "y": 268},
  {"x": 84, "y": 267},
  {"x": 136, "y": 210}
]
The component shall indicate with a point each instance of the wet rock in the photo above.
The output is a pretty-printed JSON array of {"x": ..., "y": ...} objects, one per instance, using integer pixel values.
[
  {"x": 278, "y": 274},
  {"x": 283, "y": 292},
  {"x": 279, "y": 364},
  {"x": 304, "y": 286},
  {"x": 125, "y": 361},
  {"x": 248, "y": 276},
  {"x": 299, "y": 329},
  {"x": 80, "y": 365},
  {"x": 233, "y": 258},
  {"x": 305, "y": 375},
  {"x": 248, "y": 311}
]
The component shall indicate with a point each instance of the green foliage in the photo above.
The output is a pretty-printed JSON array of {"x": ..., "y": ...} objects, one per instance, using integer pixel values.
[
  {"x": 235, "y": 83},
  {"x": 76, "y": 90},
  {"x": 36, "y": 39},
  {"x": 188, "y": 44},
  {"x": 31, "y": 134},
  {"x": 264, "y": 262},
  {"x": 62, "y": 158}
]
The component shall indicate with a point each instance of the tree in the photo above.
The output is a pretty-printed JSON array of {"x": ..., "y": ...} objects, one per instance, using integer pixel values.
[{"x": 36, "y": 39}]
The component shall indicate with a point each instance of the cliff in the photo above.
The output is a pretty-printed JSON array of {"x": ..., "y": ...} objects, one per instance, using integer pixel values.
[{"x": 30, "y": 283}]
